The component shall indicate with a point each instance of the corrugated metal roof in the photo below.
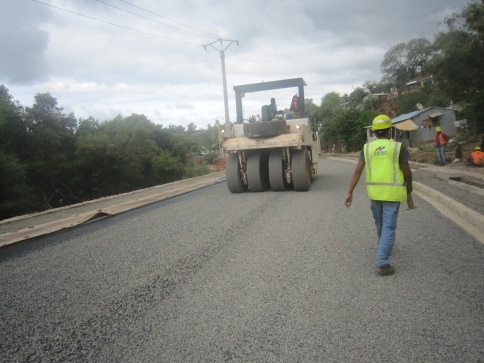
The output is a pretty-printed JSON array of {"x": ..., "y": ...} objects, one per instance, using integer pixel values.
[
  {"x": 409, "y": 115},
  {"x": 438, "y": 111}
]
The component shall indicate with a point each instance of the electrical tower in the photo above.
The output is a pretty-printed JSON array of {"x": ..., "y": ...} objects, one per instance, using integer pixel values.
[{"x": 224, "y": 78}]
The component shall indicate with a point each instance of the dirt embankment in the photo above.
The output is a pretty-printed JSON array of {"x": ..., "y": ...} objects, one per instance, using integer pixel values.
[{"x": 219, "y": 165}]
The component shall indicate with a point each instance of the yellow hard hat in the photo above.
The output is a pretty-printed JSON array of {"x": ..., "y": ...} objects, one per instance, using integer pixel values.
[
  {"x": 438, "y": 129},
  {"x": 477, "y": 148},
  {"x": 381, "y": 122}
]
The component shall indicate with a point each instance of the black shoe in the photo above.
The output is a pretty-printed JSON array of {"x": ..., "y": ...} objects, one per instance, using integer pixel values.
[{"x": 385, "y": 270}]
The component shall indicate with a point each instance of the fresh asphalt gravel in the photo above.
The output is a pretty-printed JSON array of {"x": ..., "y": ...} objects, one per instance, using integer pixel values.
[
  {"x": 451, "y": 189},
  {"x": 266, "y": 277}
]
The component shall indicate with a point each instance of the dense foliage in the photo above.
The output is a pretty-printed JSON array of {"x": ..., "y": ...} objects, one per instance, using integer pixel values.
[
  {"x": 451, "y": 67},
  {"x": 49, "y": 159},
  {"x": 458, "y": 60}
]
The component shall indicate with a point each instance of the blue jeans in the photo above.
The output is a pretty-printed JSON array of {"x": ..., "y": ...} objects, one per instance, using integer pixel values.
[
  {"x": 441, "y": 154},
  {"x": 385, "y": 215}
]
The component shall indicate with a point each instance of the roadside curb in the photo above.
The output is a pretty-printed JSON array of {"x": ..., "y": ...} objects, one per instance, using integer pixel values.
[
  {"x": 468, "y": 219},
  {"x": 112, "y": 197},
  {"x": 469, "y": 214},
  {"x": 80, "y": 218}
]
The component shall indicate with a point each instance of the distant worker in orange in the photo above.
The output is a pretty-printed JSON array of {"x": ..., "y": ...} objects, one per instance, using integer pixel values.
[
  {"x": 440, "y": 140},
  {"x": 477, "y": 157}
]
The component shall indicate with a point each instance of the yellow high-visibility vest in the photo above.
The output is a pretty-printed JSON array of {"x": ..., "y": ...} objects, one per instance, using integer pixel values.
[{"x": 384, "y": 177}]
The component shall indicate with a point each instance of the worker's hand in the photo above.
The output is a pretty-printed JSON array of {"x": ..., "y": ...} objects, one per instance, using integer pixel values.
[
  {"x": 348, "y": 200},
  {"x": 409, "y": 188}
]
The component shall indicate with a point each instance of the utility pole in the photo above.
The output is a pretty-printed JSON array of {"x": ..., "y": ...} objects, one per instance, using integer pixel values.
[{"x": 222, "y": 59}]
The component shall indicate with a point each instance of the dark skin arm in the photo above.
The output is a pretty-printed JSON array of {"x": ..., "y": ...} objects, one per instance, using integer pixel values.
[
  {"x": 354, "y": 181},
  {"x": 407, "y": 176}
]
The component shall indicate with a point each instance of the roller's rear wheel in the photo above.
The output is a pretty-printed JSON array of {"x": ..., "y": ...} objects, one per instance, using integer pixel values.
[
  {"x": 233, "y": 175},
  {"x": 257, "y": 171},
  {"x": 277, "y": 177},
  {"x": 301, "y": 170}
]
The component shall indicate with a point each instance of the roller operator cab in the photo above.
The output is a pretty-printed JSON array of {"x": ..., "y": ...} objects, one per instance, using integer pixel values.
[{"x": 279, "y": 152}]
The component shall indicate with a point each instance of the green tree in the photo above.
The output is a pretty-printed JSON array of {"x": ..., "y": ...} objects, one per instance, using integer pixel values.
[
  {"x": 14, "y": 137},
  {"x": 330, "y": 104},
  {"x": 372, "y": 87},
  {"x": 16, "y": 197},
  {"x": 47, "y": 157},
  {"x": 167, "y": 168},
  {"x": 116, "y": 156},
  {"x": 97, "y": 172},
  {"x": 418, "y": 52},
  {"x": 191, "y": 128},
  {"x": 131, "y": 146},
  {"x": 211, "y": 157},
  {"x": 180, "y": 146},
  {"x": 87, "y": 126},
  {"x": 52, "y": 137},
  {"x": 347, "y": 127},
  {"x": 312, "y": 110},
  {"x": 353, "y": 130},
  {"x": 408, "y": 102},
  {"x": 175, "y": 140},
  {"x": 356, "y": 97},
  {"x": 405, "y": 61},
  {"x": 458, "y": 59},
  {"x": 393, "y": 65}
]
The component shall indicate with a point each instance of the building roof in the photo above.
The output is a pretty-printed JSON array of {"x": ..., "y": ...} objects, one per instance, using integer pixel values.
[
  {"x": 436, "y": 111},
  {"x": 410, "y": 126},
  {"x": 410, "y": 115}
]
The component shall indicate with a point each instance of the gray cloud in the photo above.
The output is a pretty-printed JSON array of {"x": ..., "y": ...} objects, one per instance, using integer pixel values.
[
  {"x": 100, "y": 70},
  {"x": 23, "y": 43}
]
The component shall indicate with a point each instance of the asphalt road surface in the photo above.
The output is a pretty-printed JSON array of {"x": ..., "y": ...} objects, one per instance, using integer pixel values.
[{"x": 267, "y": 277}]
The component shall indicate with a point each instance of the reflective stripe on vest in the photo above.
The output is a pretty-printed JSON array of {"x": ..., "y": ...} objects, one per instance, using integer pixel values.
[{"x": 384, "y": 177}]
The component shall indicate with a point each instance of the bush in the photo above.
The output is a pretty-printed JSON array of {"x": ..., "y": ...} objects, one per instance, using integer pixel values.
[
  {"x": 193, "y": 170},
  {"x": 15, "y": 194},
  {"x": 167, "y": 168},
  {"x": 211, "y": 157}
]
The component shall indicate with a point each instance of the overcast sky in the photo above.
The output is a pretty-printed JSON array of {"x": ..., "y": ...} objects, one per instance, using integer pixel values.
[{"x": 159, "y": 67}]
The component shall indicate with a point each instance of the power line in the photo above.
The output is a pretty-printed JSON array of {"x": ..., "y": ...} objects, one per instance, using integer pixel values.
[
  {"x": 174, "y": 21},
  {"x": 120, "y": 26},
  {"x": 159, "y": 22}
]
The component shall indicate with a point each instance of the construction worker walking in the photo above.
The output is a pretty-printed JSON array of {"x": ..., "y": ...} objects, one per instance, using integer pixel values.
[{"x": 388, "y": 180}]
